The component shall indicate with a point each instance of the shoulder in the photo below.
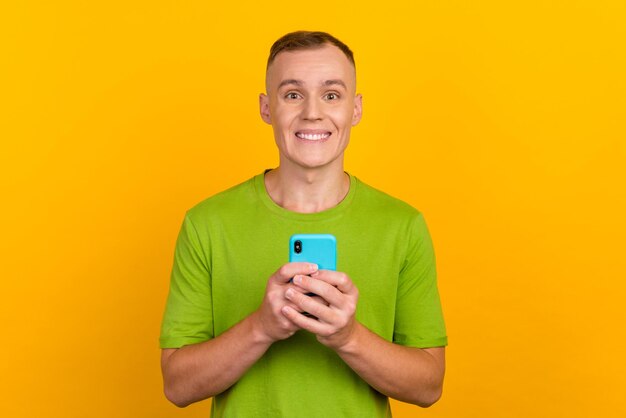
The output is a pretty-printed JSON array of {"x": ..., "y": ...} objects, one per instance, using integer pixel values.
[
  {"x": 374, "y": 200},
  {"x": 229, "y": 201}
]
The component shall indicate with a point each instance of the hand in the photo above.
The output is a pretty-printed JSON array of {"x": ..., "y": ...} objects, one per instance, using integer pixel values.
[
  {"x": 335, "y": 322},
  {"x": 271, "y": 322}
]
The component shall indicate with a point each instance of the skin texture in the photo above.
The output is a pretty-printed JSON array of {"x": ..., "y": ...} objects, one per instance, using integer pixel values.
[
  {"x": 311, "y": 102},
  {"x": 310, "y": 91}
]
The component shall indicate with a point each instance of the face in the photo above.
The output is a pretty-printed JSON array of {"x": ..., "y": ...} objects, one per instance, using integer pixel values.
[{"x": 311, "y": 105}]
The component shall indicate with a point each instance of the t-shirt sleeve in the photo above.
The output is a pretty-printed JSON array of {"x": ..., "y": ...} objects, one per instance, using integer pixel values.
[
  {"x": 188, "y": 316},
  {"x": 419, "y": 318}
]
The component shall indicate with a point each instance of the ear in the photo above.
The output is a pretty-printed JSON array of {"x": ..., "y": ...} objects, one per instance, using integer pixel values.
[
  {"x": 358, "y": 109},
  {"x": 264, "y": 108}
]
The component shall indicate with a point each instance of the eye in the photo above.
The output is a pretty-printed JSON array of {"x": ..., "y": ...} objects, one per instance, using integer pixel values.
[
  {"x": 291, "y": 95},
  {"x": 332, "y": 96}
]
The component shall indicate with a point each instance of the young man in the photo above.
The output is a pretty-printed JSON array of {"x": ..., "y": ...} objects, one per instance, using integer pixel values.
[{"x": 234, "y": 327}]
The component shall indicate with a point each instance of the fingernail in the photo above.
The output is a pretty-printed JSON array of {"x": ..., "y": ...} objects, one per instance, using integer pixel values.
[
  {"x": 297, "y": 280},
  {"x": 313, "y": 267},
  {"x": 289, "y": 293}
]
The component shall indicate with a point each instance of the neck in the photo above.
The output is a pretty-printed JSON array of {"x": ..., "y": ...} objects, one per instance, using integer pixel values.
[{"x": 307, "y": 191}]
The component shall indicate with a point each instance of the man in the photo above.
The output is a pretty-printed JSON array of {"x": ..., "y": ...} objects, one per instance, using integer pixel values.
[{"x": 234, "y": 327}]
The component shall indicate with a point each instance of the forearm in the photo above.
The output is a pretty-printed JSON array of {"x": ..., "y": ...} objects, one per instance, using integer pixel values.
[
  {"x": 203, "y": 370},
  {"x": 405, "y": 373}
]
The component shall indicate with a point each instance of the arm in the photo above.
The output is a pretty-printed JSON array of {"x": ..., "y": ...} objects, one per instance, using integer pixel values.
[
  {"x": 405, "y": 373},
  {"x": 199, "y": 371},
  {"x": 409, "y": 374}
]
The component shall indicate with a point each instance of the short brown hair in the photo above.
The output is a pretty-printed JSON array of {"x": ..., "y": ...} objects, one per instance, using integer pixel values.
[{"x": 301, "y": 39}]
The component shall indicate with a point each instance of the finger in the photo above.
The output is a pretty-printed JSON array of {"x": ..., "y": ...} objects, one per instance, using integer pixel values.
[
  {"x": 321, "y": 288},
  {"x": 311, "y": 295},
  {"x": 287, "y": 271},
  {"x": 296, "y": 307},
  {"x": 293, "y": 306},
  {"x": 308, "y": 304},
  {"x": 304, "y": 322},
  {"x": 338, "y": 279},
  {"x": 315, "y": 297},
  {"x": 320, "y": 300}
]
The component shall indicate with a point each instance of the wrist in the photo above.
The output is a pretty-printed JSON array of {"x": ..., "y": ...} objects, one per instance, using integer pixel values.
[
  {"x": 351, "y": 343},
  {"x": 257, "y": 330}
]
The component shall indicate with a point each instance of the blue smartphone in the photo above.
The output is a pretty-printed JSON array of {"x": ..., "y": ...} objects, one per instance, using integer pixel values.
[{"x": 320, "y": 249}]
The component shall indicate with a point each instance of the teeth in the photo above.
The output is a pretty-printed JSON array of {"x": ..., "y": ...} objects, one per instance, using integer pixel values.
[{"x": 312, "y": 137}]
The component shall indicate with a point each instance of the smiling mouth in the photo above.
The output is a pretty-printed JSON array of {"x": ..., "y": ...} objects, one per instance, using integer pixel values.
[{"x": 310, "y": 136}]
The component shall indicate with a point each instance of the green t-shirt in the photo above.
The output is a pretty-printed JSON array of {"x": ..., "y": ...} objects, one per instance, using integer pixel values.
[{"x": 231, "y": 243}]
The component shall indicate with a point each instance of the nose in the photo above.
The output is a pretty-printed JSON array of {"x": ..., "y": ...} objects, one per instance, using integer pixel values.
[{"x": 311, "y": 109}]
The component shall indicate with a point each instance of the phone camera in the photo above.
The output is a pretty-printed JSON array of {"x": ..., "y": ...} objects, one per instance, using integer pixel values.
[{"x": 297, "y": 246}]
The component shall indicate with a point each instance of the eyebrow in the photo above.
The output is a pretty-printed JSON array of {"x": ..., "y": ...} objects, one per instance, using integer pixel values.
[{"x": 300, "y": 83}]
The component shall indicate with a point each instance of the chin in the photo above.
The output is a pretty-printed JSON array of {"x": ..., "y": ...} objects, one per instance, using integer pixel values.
[{"x": 312, "y": 164}]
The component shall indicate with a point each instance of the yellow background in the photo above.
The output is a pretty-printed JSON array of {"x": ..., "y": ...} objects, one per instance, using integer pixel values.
[{"x": 503, "y": 122}]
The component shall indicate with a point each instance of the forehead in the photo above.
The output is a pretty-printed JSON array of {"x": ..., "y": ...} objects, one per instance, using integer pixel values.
[{"x": 311, "y": 66}]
